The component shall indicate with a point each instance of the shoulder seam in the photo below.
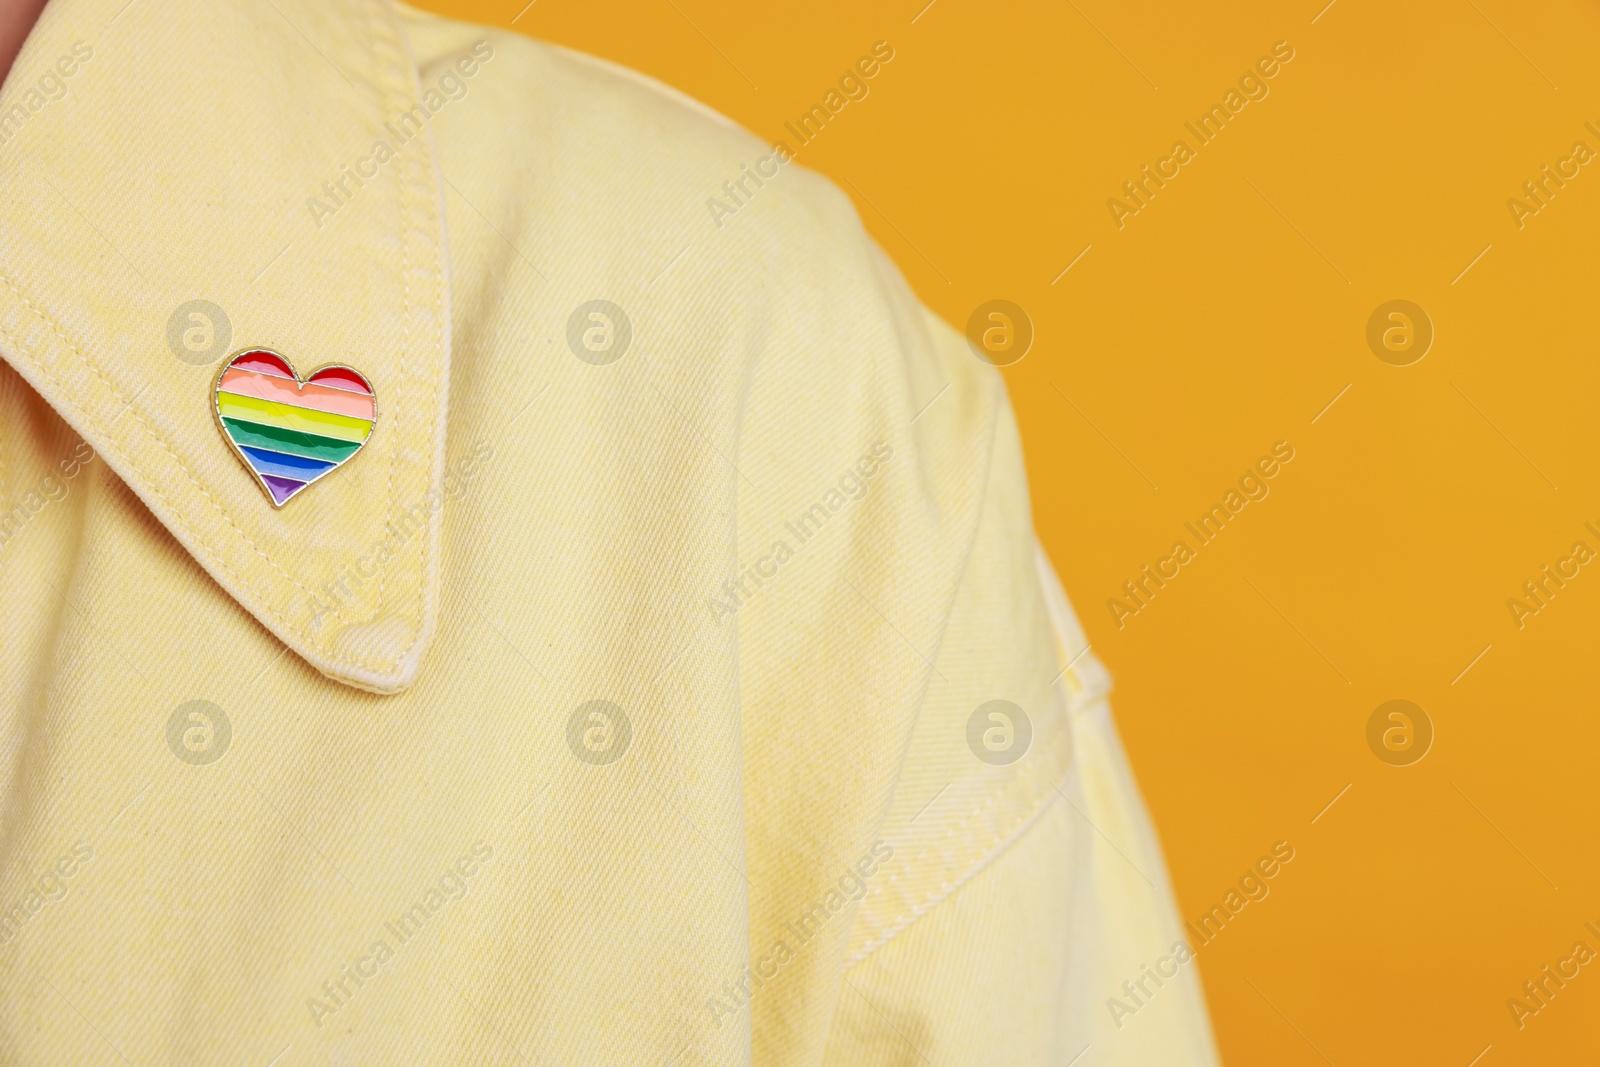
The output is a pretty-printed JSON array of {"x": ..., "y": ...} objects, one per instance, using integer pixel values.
[{"x": 1000, "y": 850}]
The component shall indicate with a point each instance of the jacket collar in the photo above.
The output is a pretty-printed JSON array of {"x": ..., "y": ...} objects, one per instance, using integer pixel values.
[{"x": 187, "y": 180}]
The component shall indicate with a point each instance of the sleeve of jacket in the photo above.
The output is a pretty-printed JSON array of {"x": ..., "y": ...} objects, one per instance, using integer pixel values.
[
  {"x": 919, "y": 707},
  {"x": 1023, "y": 960}
]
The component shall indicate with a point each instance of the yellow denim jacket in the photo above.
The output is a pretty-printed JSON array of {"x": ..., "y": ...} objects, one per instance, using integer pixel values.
[{"x": 663, "y": 671}]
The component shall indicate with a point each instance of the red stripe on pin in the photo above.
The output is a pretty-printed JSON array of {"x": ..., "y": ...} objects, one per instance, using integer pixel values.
[
  {"x": 341, "y": 378},
  {"x": 265, "y": 363}
]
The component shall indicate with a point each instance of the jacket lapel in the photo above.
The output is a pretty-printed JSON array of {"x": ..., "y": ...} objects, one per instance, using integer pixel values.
[{"x": 193, "y": 180}]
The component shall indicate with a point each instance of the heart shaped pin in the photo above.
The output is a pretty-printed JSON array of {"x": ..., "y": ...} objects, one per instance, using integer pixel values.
[{"x": 289, "y": 432}]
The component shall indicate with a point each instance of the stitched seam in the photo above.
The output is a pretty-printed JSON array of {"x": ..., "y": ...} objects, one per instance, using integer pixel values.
[
  {"x": 975, "y": 816},
  {"x": 144, "y": 479},
  {"x": 405, "y": 337},
  {"x": 982, "y": 498},
  {"x": 403, "y": 56},
  {"x": 905, "y": 920},
  {"x": 1074, "y": 707},
  {"x": 376, "y": 24},
  {"x": 117, "y": 448}
]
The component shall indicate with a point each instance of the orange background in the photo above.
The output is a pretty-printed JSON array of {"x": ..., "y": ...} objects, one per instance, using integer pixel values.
[{"x": 1223, "y": 317}]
